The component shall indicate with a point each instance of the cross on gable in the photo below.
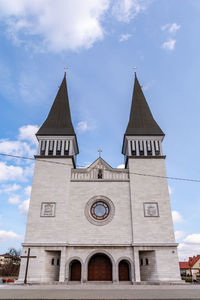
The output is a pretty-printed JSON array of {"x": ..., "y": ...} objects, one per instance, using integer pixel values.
[{"x": 99, "y": 150}]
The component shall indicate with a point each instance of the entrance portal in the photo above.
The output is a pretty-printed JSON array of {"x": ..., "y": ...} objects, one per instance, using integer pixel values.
[
  {"x": 75, "y": 270},
  {"x": 124, "y": 273},
  {"x": 100, "y": 268}
]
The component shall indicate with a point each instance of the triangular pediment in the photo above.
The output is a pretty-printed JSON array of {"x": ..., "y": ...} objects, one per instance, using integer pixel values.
[
  {"x": 100, "y": 170},
  {"x": 100, "y": 163}
]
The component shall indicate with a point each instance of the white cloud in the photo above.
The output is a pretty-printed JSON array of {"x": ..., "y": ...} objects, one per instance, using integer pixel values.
[
  {"x": 179, "y": 234},
  {"x": 28, "y": 133},
  {"x": 14, "y": 199},
  {"x": 126, "y": 10},
  {"x": 28, "y": 171},
  {"x": 193, "y": 239},
  {"x": 122, "y": 166},
  {"x": 57, "y": 25},
  {"x": 177, "y": 218},
  {"x": 9, "y": 188},
  {"x": 148, "y": 85},
  {"x": 171, "y": 191},
  {"x": 10, "y": 172},
  {"x": 124, "y": 37},
  {"x": 82, "y": 126},
  {"x": 48, "y": 25},
  {"x": 189, "y": 246},
  {"x": 8, "y": 235},
  {"x": 23, "y": 207},
  {"x": 169, "y": 45},
  {"x": 171, "y": 28},
  {"x": 16, "y": 148},
  {"x": 27, "y": 190}
]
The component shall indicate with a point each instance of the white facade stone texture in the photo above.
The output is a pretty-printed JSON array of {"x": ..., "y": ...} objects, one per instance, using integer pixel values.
[{"x": 129, "y": 235}]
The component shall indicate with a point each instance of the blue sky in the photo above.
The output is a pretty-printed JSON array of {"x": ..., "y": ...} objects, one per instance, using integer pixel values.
[{"x": 100, "y": 41}]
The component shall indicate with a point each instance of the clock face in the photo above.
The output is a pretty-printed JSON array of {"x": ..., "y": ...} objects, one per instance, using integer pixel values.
[{"x": 99, "y": 210}]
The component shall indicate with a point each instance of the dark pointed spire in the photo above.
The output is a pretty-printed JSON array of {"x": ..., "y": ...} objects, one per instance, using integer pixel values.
[
  {"x": 59, "y": 121},
  {"x": 141, "y": 121}
]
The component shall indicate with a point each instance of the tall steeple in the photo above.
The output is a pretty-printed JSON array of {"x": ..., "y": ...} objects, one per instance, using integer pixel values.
[
  {"x": 58, "y": 121},
  {"x": 56, "y": 136},
  {"x": 143, "y": 136},
  {"x": 141, "y": 121}
]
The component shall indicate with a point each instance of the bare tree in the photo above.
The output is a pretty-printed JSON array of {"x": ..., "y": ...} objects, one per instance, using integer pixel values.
[
  {"x": 14, "y": 252},
  {"x": 11, "y": 266}
]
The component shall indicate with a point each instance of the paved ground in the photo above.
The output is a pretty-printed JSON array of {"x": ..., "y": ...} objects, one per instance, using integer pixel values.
[{"x": 136, "y": 292}]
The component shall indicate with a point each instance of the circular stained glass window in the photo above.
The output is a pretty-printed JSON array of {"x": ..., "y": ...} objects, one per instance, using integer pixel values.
[{"x": 99, "y": 210}]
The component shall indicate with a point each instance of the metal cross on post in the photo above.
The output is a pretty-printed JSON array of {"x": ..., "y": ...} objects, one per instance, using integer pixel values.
[
  {"x": 27, "y": 262},
  {"x": 66, "y": 68},
  {"x": 100, "y": 152},
  {"x": 135, "y": 68}
]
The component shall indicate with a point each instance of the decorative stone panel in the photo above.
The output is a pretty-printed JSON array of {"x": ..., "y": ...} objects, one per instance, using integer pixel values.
[
  {"x": 48, "y": 209},
  {"x": 151, "y": 209}
]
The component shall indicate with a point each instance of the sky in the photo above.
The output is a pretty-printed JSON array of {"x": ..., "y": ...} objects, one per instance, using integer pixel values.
[{"x": 100, "y": 41}]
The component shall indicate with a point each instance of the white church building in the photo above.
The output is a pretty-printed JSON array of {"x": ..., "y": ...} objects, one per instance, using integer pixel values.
[{"x": 100, "y": 224}]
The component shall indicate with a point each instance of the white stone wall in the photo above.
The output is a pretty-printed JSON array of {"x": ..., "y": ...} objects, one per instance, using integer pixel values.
[
  {"x": 52, "y": 270},
  {"x": 148, "y": 269},
  {"x": 51, "y": 183},
  {"x": 36, "y": 268},
  {"x": 41, "y": 270},
  {"x": 81, "y": 231},
  {"x": 72, "y": 235},
  {"x": 150, "y": 189},
  {"x": 167, "y": 264}
]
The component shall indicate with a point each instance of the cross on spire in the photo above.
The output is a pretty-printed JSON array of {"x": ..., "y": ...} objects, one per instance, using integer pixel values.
[
  {"x": 135, "y": 68},
  {"x": 66, "y": 68}
]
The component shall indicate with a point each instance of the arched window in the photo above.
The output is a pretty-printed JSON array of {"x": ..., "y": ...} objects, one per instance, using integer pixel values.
[
  {"x": 100, "y": 268},
  {"x": 124, "y": 272},
  {"x": 75, "y": 270}
]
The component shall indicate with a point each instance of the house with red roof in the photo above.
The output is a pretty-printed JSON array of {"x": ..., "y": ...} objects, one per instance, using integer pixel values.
[{"x": 191, "y": 266}]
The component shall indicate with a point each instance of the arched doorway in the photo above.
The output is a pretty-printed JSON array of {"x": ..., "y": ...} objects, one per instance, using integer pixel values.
[
  {"x": 124, "y": 272},
  {"x": 75, "y": 270},
  {"x": 100, "y": 268}
]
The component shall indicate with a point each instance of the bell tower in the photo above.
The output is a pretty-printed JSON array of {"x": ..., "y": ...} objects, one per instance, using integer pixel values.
[
  {"x": 143, "y": 136},
  {"x": 56, "y": 136},
  {"x": 155, "y": 250},
  {"x": 47, "y": 230}
]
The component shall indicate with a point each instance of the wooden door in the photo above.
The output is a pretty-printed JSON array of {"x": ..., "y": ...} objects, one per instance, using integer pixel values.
[
  {"x": 100, "y": 268},
  {"x": 124, "y": 271},
  {"x": 75, "y": 271}
]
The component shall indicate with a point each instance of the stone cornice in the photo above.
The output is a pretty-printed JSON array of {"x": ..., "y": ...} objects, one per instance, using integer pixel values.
[{"x": 100, "y": 245}]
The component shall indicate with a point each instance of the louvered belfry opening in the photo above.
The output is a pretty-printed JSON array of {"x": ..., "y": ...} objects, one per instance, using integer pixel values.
[
  {"x": 124, "y": 272},
  {"x": 100, "y": 268},
  {"x": 75, "y": 271}
]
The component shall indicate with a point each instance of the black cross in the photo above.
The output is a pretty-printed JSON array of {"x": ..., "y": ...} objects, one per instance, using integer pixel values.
[{"x": 27, "y": 262}]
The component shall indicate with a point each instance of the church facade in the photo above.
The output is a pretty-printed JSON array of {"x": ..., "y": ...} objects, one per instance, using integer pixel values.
[{"x": 100, "y": 224}]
